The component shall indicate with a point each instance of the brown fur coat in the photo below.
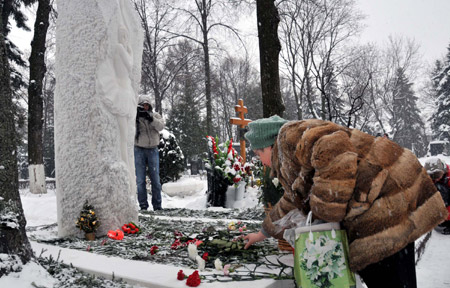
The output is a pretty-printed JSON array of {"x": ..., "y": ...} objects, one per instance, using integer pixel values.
[{"x": 379, "y": 191}]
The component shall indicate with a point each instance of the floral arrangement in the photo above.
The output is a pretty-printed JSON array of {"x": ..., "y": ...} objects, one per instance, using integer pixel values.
[
  {"x": 87, "y": 221},
  {"x": 229, "y": 162},
  {"x": 224, "y": 265},
  {"x": 323, "y": 260},
  {"x": 131, "y": 228}
]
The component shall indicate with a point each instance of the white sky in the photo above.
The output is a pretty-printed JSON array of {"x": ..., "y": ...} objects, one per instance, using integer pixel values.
[{"x": 425, "y": 21}]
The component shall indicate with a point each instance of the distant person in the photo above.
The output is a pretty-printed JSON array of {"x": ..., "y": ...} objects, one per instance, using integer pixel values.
[
  {"x": 440, "y": 174},
  {"x": 385, "y": 135},
  {"x": 378, "y": 190},
  {"x": 148, "y": 126}
]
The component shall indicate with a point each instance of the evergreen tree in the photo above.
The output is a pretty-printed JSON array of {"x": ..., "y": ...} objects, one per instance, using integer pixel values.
[
  {"x": 440, "y": 122},
  {"x": 11, "y": 9},
  {"x": 186, "y": 124},
  {"x": 13, "y": 239},
  {"x": 408, "y": 127},
  {"x": 171, "y": 158},
  {"x": 184, "y": 119}
]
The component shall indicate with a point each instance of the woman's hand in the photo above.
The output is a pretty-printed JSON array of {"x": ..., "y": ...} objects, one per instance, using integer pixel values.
[{"x": 253, "y": 238}]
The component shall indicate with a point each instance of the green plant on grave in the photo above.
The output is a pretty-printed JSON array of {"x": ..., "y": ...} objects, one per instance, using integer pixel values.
[
  {"x": 271, "y": 189},
  {"x": 87, "y": 221}
]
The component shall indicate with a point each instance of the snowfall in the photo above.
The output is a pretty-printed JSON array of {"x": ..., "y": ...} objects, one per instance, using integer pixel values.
[{"x": 188, "y": 192}]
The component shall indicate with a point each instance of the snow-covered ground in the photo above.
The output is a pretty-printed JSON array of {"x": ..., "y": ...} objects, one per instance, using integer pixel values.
[{"x": 432, "y": 270}]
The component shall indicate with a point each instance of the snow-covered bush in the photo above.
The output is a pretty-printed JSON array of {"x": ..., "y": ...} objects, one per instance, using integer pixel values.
[{"x": 171, "y": 158}]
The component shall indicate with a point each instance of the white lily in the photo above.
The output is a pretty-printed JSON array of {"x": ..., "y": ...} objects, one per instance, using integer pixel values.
[
  {"x": 192, "y": 251},
  {"x": 200, "y": 262},
  {"x": 218, "y": 264}
]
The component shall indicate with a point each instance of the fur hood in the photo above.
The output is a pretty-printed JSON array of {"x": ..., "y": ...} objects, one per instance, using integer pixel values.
[{"x": 378, "y": 190}]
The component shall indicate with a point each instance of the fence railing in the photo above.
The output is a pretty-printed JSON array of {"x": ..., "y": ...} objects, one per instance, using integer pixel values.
[{"x": 50, "y": 183}]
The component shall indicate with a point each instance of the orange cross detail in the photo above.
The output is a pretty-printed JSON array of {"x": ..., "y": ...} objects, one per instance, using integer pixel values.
[{"x": 241, "y": 122}]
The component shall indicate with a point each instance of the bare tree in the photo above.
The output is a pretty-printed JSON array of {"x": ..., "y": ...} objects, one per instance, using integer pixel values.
[
  {"x": 235, "y": 80},
  {"x": 35, "y": 102},
  {"x": 203, "y": 18},
  {"x": 13, "y": 239},
  {"x": 315, "y": 33},
  {"x": 157, "y": 17},
  {"x": 400, "y": 53},
  {"x": 355, "y": 83},
  {"x": 301, "y": 34}
]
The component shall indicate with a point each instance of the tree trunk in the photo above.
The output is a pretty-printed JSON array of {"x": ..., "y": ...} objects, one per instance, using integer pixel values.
[
  {"x": 35, "y": 102},
  {"x": 13, "y": 239},
  {"x": 269, "y": 50},
  {"x": 207, "y": 75}
]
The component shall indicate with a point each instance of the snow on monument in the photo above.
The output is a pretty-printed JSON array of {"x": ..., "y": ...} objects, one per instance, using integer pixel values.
[{"x": 98, "y": 67}]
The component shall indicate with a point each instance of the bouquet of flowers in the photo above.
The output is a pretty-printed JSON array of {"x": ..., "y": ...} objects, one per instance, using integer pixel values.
[
  {"x": 229, "y": 162},
  {"x": 87, "y": 221}
]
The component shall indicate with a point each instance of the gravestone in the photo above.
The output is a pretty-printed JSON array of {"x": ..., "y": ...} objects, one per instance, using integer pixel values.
[{"x": 98, "y": 68}]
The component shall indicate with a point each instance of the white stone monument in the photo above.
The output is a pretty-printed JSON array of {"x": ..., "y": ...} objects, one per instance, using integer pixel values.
[{"x": 98, "y": 68}]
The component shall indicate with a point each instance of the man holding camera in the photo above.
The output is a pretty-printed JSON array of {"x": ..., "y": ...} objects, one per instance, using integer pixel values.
[{"x": 148, "y": 126}]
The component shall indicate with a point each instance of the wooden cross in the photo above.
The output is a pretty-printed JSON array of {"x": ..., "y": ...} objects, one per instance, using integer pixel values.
[{"x": 241, "y": 122}]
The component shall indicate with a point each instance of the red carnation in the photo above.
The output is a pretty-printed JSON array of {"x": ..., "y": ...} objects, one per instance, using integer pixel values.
[
  {"x": 176, "y": 244},
  {"x": 193, "y": 279},
  {"x": 180, "y": 275},
  {"x": 205, "y": 256},
  {"x": 153, "y": 250}
]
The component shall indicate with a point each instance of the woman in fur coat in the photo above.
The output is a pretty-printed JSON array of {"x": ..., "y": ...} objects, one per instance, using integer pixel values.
[{"x": 378, "y": 190}]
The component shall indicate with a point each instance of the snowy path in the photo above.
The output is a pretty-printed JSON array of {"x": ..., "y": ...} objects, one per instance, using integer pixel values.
[{"x": 433, "y": 269}]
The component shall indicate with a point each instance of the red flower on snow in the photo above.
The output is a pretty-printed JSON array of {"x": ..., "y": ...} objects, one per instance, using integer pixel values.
[
  {"x": 176, "y": 244},
  {"x": 180, "y": 275},
  {"x": 193, "y": 279},
  {"x": 130, "y": 228},
  {"x": 193, "y": 241},
  {"x": 115, "y": 235},
  {"x": 153, "y": 250},
  {"x": 205, "y": 256}
]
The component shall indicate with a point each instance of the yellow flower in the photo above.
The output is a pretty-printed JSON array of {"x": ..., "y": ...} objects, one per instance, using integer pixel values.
[{"x": 81, "y": 219}]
